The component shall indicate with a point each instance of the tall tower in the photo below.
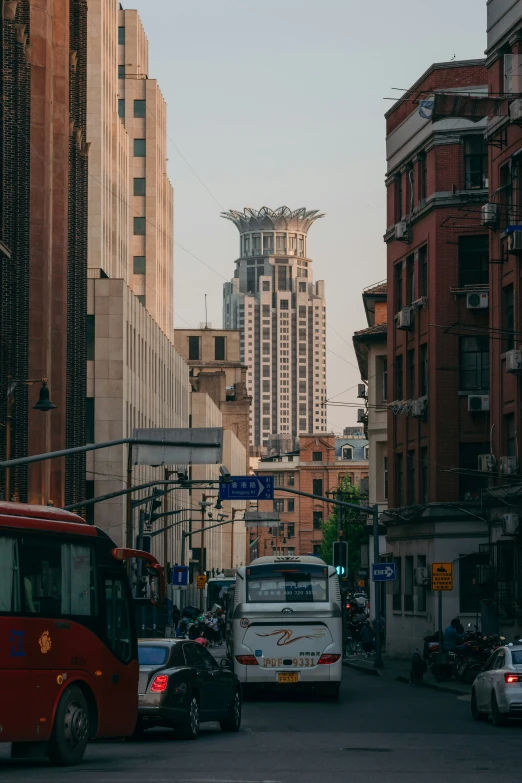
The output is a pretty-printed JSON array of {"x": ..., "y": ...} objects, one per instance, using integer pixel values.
[{"x": 281, "y": 314}]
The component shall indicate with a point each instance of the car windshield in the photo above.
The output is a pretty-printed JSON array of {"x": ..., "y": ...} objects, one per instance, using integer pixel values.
[
  {"x": 152, "y": 655},
  {"x": 516, "y": 657},
  {"x": 294, "y": 583}
]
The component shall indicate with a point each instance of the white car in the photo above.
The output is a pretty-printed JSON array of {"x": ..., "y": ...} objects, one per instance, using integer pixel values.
[{"x": 497, "y": 690}]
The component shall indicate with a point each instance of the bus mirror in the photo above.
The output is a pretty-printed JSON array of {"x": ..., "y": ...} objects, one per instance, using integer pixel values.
[{"x": 156, "y": 584}]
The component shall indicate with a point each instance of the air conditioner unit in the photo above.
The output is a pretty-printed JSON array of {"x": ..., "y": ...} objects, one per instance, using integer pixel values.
[
  {"x": 489, "y": 215},
  {"x": 477, "y": 300},
  {"x": 478, "y": 403},
  {"x": 515, "y": 110},
  {"x": 510, "y": 524},
  {"x": 405, "y": 319},
  {"x": 361, "y": 415},
  {"x": 361, "y": 391},
  {"x": 515, "y": 242},
  {"x": 419, "y": 407},
  {"x": 514, "y": 360},
  {"x": 401, "y": 231},
  {"x": 486, "y": 463},
  {"x": 508, "y": 466},
  {"x": 420, "y": 576}
]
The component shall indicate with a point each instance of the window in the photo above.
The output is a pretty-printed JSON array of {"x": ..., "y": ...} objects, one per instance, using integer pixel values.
[
  {"x": 121, "y": 36},
  {"x": 424, "y": 475},
  {"x": 121, "y": 72},
  {"x": 397, "y": 585},
  {"x": 411, "y": 478},
  {"x": 421, "y": 590},
  {"x": 141, "y": 299},
  {"x": 290, "y": 479},
  {"x": 381, "y": 372},
  {"x": 471, "y": 483},
  {"x": 398, "y": 198},
  {"x": 385, "y": 477},
  {"x": 366, "y": 452},
  {"x": 268, "y": 243},
  {"x": 508, "y": 317},
  {"x": 318, "y": 519},
  {"x": 291, "y": 529},
  {"x": 509, "y": 430},
  {"x": 279, "y": 479},
  {"x": 117, "y": 620},
  {"x": 90, "y": 334},
  {"x": 138, "y": 265},
  {"x": 139, "y": 226},
  {"x": 266, "y": 386},
  {"x": 279, "y": 505},
  {"x": 140, "y": 148},
  {"x": 411, "y": 374},
  {"x": 475, "y": 163},
  {"x": 290, "y": 505},
  {"x": 423, "y": 176},
  {"x": 474, "y": 363},
  {"x": 219, "y": 349},
  {"x": 399, "y": 479},
  {"x": 347, "y": 452},
  {"x": 398, "y": 286},
  {"x": 317, "y": 487},
  {"x": 423, "y": 271},
  {"x": 251, "y": 280},
  {"x": 121, "y": 108},
  {"x": 408, "y": 583},
  {"x": 423, "y": 369},
  {"x": 139, "y": 186},
  {"x": 266, "y": 285},
  {"x": 266, "y": 311},
  {"x": 410, "y": 278},
  {"x": 411, "y": 187},
  {"x": 283, "y": 304},
  {"x": 317, "y": 456},
  {"x": 193, "y": 346},
  {"x": 89, "y": 420},
  {"x": 474, "y": 260},
  {"x": 399, "y": 388},
  {"x": 302, "y": 288},
  {"x": 140, "y": 109},
  {"x": 302, "y": 311}
]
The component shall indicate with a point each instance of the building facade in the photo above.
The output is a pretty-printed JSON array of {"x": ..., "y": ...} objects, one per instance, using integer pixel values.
[
  {"x": 319, "y": 467},
  {"x": 43, "y": 242},
  {"x": 281, "y": 315}
]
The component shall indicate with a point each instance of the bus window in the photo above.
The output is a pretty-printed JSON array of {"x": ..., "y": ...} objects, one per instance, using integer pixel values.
[
  {"x": 9, "y": 575},
  {"x": 272, "y": 583},
  {"x": 117, "y": 619}
]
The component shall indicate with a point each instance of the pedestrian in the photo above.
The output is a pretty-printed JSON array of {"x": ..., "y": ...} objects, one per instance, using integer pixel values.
[
  {"x": 418, "y": 670},
  {"x": 453, "y": 635},
  {"x": 175, "y": 615},
  {"x": 367, "y": 637}
]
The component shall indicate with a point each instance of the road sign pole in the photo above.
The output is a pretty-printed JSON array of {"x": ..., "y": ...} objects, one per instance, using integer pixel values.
[
  {"x": 378, "y": 664},
  {"x": 440, "y": 621}
]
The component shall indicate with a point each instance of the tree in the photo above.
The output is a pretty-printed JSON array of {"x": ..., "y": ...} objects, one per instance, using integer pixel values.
[{"x": 354, "y": 532}]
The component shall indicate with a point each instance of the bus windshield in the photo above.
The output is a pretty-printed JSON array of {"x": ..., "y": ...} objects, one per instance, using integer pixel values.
[
  {"x": 287, "y": 582},
  {"x": 217, "y": 591}
]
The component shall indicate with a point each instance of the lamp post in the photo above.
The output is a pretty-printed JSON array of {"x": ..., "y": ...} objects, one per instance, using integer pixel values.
[{"x": 44, "y": 404}]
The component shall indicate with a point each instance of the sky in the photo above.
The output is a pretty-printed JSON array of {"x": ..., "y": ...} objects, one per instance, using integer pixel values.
[{"x": 282, "y": 102}]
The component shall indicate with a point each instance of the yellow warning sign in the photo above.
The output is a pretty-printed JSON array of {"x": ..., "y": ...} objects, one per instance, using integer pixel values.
[
  {"x": 201, "y": 582},
  {"x": 442, "y": 576}
]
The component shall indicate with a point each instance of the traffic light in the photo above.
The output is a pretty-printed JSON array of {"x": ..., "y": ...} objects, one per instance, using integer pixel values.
[
  {"x": 155, "y": 504},
  {"x": 340, "y": 557}
]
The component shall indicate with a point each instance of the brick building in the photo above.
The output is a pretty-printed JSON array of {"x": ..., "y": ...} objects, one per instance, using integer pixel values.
[
  {"x": 438, "y": 347},
  {"x": 318, "y": 467}
]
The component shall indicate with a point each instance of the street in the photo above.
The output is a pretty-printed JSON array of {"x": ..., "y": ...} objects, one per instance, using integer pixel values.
[{"x": 379, "y": 730}]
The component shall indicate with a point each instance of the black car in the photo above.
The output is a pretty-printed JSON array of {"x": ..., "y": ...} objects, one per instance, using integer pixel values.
[{"x": 181, "y": 686}]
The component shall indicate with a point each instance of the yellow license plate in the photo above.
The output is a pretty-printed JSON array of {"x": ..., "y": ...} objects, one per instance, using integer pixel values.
[{"x": 284, "y": 677}]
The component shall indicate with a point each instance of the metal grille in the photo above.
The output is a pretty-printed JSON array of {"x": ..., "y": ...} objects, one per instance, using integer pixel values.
[
  {"x": 15, "y": 96},
  {"x": 77, "y": 257}
]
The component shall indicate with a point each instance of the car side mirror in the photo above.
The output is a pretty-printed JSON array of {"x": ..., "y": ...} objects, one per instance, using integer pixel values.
[{"x": 225, "y": 664}]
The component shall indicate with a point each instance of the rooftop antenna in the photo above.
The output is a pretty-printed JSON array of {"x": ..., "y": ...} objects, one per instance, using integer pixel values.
[{"x": 206, "y": 315}]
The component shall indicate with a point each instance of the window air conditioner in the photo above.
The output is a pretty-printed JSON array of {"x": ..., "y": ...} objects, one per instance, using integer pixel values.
[
  {"x": 401, "y": 231},
  {"x": 477, "y": 300},
  {"x": 486, "y": 463},
  {"x": 478, "y": 403},
  {"x": 508, "y": 466},
  {"x": 421, "y": 576},
  {"x": 405, "y": 320},
  {"x": 515, "y": 110},
  {"x": 419, "y": 407},
  {"x": 514, "y": 360},
  {"x": 489, "y": 215},
  {"x": 515, "y": 242},
  {"x": 361, "y": 391},
  {"x": 510, "y": 524}
]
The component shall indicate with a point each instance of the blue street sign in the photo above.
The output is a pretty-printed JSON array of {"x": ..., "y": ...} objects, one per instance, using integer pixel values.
[
  {"x": 383, "y": 572},
  {"x": 247, "y": 488},
  {"x": 180, "y": 576}
]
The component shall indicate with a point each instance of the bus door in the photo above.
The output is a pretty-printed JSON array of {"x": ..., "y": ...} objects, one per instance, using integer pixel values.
[{"x": 120, "y": 669}]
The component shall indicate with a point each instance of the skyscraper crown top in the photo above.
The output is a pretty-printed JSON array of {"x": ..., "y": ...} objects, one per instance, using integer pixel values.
[{"x": 266, "y": 219}]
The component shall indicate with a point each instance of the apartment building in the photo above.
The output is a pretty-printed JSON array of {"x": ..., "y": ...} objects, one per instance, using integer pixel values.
[{"x": 281, "y": 315}]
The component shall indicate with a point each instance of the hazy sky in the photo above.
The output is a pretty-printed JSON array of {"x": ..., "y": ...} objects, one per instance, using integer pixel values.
[{"x": 281, "y": 102}]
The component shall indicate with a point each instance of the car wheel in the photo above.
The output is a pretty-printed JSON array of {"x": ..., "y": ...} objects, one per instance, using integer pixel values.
[
  {"x": 233, "y": 720},
  {"x": 70, "y": 733},
  {"x": 475, "y": 712},
  {"x": 189, "y": 729},
  {"x": 497, "y": 718}
]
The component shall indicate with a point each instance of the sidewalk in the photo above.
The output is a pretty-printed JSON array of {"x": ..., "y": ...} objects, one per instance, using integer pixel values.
[{"x": 399, "y": 670}]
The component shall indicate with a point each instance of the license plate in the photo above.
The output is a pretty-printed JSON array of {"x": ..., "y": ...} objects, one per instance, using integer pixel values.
[{"x": 288, "y": 677}]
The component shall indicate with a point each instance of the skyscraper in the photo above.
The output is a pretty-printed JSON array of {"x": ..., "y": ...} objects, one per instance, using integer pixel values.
[{"x": 281, "y": 314}]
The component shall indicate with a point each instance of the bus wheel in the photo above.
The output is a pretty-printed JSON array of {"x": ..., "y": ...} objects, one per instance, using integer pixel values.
[{"x": 71, "y": 729}]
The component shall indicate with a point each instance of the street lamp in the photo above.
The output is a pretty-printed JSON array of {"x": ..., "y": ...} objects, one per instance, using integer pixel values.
[{"x": 44, "y": 404}]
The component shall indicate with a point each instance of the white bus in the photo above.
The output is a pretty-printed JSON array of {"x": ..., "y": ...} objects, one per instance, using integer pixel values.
[{"x": 287, "y": 625}]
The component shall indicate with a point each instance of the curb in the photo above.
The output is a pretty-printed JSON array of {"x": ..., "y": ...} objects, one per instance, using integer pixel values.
[
  {"x": 433, "y": 687},
  {"x": 365, "y": 669}
]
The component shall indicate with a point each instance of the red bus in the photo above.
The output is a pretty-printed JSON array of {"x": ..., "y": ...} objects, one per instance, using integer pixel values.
[{"x": 68, "y": 649}]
